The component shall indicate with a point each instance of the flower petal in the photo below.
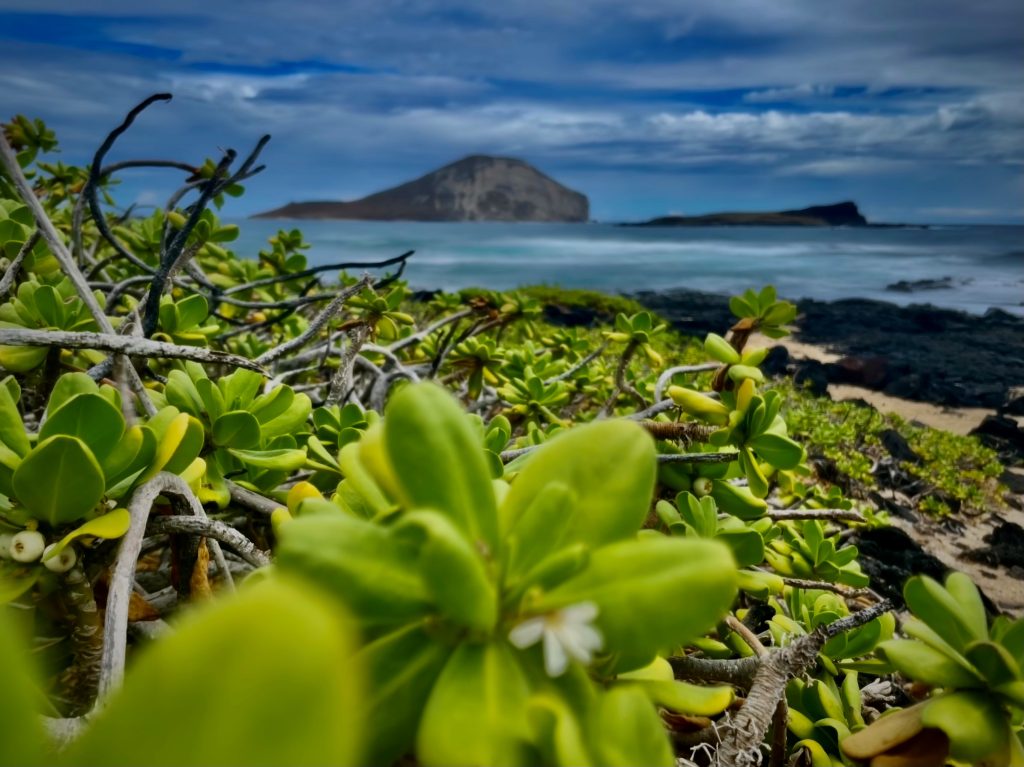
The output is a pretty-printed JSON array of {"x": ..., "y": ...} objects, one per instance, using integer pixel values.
[
  {"x": 582, "y": 612},
  {"x": 527, "y": 633},
  {"x": 555, "y": 659}
]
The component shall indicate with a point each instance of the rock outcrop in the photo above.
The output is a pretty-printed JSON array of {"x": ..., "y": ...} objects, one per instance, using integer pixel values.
[
  {"x": 476, "y": 188},
  {"x": 840, "y": 214}
]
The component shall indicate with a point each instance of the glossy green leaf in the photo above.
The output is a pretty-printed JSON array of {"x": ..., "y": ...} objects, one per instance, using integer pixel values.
[
  {"x": 192, "y": 310},
  {"x": 541, "y": 529},
  {"x": 238, "y": 429},
  {"x": 974, "y": 722},
  {"x": 631, "y": 582},
  {"x": 933, "y": 604},
  {"x": 12, "y": 430},
  {"x": 21, "y": 359},
  {"x": 626, "y": 730},
  {"x": 476, "y": 712},
  {"x": 23, "y": 737},
  {"x": 994, "y": 662},
  {"x": 611, "y": 468},
  {"x": 439, "y": 460},
  {"x": 922, "y": 663},
  {"x": 111, "y": 525},
  {"x": 283, "y": 459},
  {"x": 60, "y": 481},
  {"x": 303, "y": 708},
  {"x": 289, "y": 421},
  {"x": 781, "y": 452},
  {"x": 719, "y": 349},
  {"x": 401, "y": 667},
  {"x": 453, "y": 571},
  {"x": 359, "y": 562},
  {"x": 91, "y": 418}
]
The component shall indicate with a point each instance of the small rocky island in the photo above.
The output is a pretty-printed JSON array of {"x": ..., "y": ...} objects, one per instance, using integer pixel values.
[
  {"x": 475, "y": 188},
  {"x": 839, "y": 214}
]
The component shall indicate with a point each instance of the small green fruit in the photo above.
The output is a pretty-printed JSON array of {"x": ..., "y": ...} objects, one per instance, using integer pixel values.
[
  {"x": 27, "y": 546},
  {"x": 702, "y": 487},
  {"x": 62, "y": 562}
]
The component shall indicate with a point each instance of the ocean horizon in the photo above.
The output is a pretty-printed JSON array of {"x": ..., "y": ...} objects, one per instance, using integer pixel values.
[{"x": 984, "y": 264}]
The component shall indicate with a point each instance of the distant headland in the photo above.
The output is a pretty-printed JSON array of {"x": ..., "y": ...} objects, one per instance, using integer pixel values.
[
  {"x": 475, "y": 188},
  {"x": 839, "y": 214}
]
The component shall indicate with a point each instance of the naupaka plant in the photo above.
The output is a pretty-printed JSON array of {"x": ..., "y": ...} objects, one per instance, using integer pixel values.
[{"x": 497, "y": 614}]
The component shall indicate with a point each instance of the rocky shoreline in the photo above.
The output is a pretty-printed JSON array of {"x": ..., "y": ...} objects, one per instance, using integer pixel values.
[{"x": 919, "y": 352}]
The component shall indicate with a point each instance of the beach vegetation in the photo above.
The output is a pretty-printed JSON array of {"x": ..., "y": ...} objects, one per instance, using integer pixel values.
[{"x": 256, "y": 511}]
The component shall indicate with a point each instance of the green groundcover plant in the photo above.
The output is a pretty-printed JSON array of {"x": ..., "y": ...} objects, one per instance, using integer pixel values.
[{"x": 254, "y": 511}]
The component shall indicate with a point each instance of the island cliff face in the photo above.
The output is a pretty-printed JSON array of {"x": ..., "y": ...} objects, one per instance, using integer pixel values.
[
  {"x": 840, "y": 214},
  {"x": 476, "y": 188}
]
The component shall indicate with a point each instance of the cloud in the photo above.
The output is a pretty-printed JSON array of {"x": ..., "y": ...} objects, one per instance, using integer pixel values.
[
  {"x": 795, "y": 93},
  {"x": 877, "y": 100}
]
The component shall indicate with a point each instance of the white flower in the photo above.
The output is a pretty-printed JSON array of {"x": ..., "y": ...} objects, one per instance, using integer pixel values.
[{"x": 567, "y": 633}]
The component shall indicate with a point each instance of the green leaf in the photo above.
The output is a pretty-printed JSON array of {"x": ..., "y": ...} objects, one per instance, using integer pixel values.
[
  {"x": 747, "y": 546},
  {"x": 941, "y": 611},
  {"x": 686, "y": 698},
  {"x": 21, "y": 359},
  {"x": 972, "y": 609},
  {"x": 401, "y": 667},
  {"x": 781, "y": 452},
  {"x": 439, "y": 460},
  {"x": 476, "y": 712},
  {"x": 111, "y": 525},
  {"x": 289, "y": 421},
  {"x": 92, "y": 419},
  {"x": 974, "y": 722},
  {"x": 922, "y": 663},
  {"x": 359, "y": 562},
  {"x": 192, "y": 310},
  {"x": 609, "y": 465},
  {"x": 719, "y": 349},
  {"x": 12, "y": 429},
  {"x": 70, "y": 385},
  {"x": 181, "y": 392},
  {"x": 284, "y": 459},
  {"x": 304, "y": 710},
  {"x": 452, "y": 570},
  {"x": 994, "y": 662},
  {"x": 60, "y": 481},
  {"x": 626, "y": 731},
  {"x": 24, "y": 739},
  {"x": 632, "y": 581},
  {"x": 540, "y": 530},
  {"x": 238, "y": 429}
]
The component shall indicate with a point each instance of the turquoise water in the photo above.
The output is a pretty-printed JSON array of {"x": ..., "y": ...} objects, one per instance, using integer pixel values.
[{"x": 986, "y": 263}]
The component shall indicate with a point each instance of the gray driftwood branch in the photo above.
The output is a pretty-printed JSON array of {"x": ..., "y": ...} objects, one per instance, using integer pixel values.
[{"x": 130, "y": 345}]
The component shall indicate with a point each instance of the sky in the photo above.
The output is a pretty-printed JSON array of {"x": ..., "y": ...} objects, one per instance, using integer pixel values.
[{"x": 912, "y": 108}]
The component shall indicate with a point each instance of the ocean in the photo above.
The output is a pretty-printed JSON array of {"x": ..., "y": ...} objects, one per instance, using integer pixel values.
[{"x": 985, "y": 264}]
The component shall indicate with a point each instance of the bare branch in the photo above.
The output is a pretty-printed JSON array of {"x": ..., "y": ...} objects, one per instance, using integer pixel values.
[
  {"x": 316, "y": 324},
  {"x": 210, "y": 528},
  {"x": 122, "y": 579},
  {"x": 670, "y": 373},
  {"x": 579, "y": 365},
  {"x": 849, "y": 515},
  {"x": 317, "y": 270},
  {"x": 12, "y": 271},
  {"x": 130, "y": 345}
]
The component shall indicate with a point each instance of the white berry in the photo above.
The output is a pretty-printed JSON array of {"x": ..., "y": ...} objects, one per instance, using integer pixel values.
[
  {"x": 702, "y": 487},
  {"x": 27, "y": 546},
  {"x": 62, "y": 562},
  {"x": 5, "y": 545}
]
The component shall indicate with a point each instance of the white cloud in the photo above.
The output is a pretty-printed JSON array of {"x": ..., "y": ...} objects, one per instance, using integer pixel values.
[{"x": 795, "y": 93}]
